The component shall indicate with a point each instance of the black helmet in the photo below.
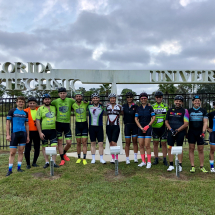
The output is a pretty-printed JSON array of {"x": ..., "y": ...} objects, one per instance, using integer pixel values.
[
  {"x": 32, "y": 99},
  {"x": 196, "y": 97},
  {"x": 158, "y": 93},
  {"x": 143, "y": 95},
  {"x": 179, "y": 98},
  {"x": 46, "y": 96},
  {"x": 61, "y": 89},
  {"x": 130, "y": 94}
]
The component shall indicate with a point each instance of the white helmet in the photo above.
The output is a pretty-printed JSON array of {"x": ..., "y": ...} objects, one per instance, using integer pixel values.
[
  {"x": 112, "y": 95},
  {"x": 95, "y": 95}
]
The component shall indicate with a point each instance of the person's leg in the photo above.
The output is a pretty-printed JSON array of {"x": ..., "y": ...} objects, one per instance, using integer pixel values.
[
  {"x": 84, "y": 142},
  {"x": 191, "y": 153},
  {"x": 93, "y": 150},
  {"x": 92, "y": 132},
  {"x": 141, "y": 141},
  {"x": 68, "y": 137},
  {"x": 170, "y": 141},
  {"x": 135, "y": 146},
  {"x": 11, "y": 158},
  {"x": 211, "y": 157},
  {"x": 20, "y": 156},
  {"x": 78, "y": 146},
  {"x": 45, "y": 155},
  {"x": 201, "y": 155},
  {"x": 59, "y": 130},
  {"x": 148, "y": 149},
  {"x": 36, "y": 140},
  {"x": 127, "y": 133},
  {"x": 28, "y": 149}
]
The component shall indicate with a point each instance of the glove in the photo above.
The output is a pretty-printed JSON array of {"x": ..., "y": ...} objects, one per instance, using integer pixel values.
[
  {"x": 146, "y": 127},
  {"x": 174, "y": 132},
  {"x": 202, "y": 135}
]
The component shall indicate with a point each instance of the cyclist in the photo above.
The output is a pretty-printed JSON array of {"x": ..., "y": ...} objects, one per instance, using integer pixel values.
[
  {"x": 33, "y": 133},
  {"x": 96, "y": 111},
  {"x": 211, "y": 129},
  {"x": 81, "y": 126},
  {"x": 159, "y": 129},
  {"x": 144, "y": 118},
  {"x": 112, "y": 127},
  {"x": 18, "y": 119},
  {"x": 46, "y": 125},
  {"x": 177, "y": 119},
  {"x": 131, "y": 129},
  {"x": 63, "y": 106},
  {"x": 198, "y": 124}
]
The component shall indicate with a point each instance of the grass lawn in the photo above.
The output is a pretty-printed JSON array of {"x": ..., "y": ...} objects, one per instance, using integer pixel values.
[{"x": 93, "y": 189}]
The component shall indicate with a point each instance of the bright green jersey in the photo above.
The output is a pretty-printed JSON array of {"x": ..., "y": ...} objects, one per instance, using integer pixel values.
[
  {"x": 47, "y": 118},
  {"x": 160, "y": 114},
  {"x": 63, "y": 108},
  {"x": 80, "y": 111}
]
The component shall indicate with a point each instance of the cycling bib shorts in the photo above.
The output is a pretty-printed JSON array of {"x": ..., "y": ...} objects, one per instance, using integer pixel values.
[
  {"x": 130, "y": 129},
  {"x": 63, "y": 128},
  {"x": 96, "y": 132},
  {"x": 18, "y": 138},
  {"x": 81, "y": 129},
  {"x": 50, "y": 135}
]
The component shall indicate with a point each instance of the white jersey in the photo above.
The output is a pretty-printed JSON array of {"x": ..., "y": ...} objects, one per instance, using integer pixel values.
[{"x": 113, "y": 115}]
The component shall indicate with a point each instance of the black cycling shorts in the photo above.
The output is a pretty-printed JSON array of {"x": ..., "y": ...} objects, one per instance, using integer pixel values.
[
  {"x": 81, "y": 129},
  {"x": 63, "y": 128},
  {"x": 18, "y": 138},
  {"x": 131, "y": 129},
  {"x": 50, "y": 135},
  {"x": 113, "y": 132},
  {"x": 148, "y": 133},
  {"x": 96, "y": 132},
  {"x": 159, "y": 133},
  {"x": 212, "y": 138},
  {"x": 178, "y": 138},
  {"x": 194, "y": 136}
]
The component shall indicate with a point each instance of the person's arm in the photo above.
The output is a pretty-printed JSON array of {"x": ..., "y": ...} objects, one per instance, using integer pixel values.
[
  {"x": 167, "y": 124},
  {"x": 8, "y": 137},
  {"x": 209, "y": 128},
  {"x": 186, "y": 121},
  {"x": 38, "y": 117},
  {"x": 137, "y": 122},
  {"x": 27, "y": 131}
]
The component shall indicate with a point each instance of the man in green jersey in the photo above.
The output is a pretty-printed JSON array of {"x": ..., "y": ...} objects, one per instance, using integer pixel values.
[
  {"x": 46, "y": 119},
  {"x": 81, "y": 126},
  {"x": 159, "y": 129},
  {"x": 63, "y": 106}
]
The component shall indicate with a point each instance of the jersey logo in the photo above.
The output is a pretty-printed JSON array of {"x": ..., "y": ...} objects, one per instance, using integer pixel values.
[
  {"x": 63, "y": 109},
  {"x": 80, "y": 110},
  {"x": 49, "y": 115}
]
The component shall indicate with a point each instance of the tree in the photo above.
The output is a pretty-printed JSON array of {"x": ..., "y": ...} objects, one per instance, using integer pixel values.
[
  {"x": 2, "y": 90},
  {"x": 167, "y": 88},
  {"x": 105, "y": 89},
  {"x": 184, "y": 89},
  {"x": 14, "y": 93}
]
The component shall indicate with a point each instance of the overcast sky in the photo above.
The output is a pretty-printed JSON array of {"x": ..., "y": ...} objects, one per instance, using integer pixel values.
[{"x": 109, "y": 34}]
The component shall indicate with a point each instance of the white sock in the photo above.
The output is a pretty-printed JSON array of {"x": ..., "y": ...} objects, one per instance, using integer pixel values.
[
  {"x": 93, "y": 157},
  {"x": 127, "y": 158},
  {"x": 101, "y": 157},
  {"x": 47, "y": 162},
  {"x": 135, "y": 155}
]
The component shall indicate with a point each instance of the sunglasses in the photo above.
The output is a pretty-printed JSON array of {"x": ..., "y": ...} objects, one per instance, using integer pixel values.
[
  {"x": 129, "y": 97},
  {"x": 158, "y": 97}
]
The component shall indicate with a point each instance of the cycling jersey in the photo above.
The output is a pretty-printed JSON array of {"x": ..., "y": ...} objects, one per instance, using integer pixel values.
[
  {"x": 129, "y": 113},
  {"x": 144, "y": 114},
  {"x": 196, "y": 118},
  {"x": 47, "y": 117},
  {"x": 96, "y": 115},
  {"x": 18, "y": 119},
  {"x": 63, "y": 109},
  {"x": 211, "y": 117},
  {"x": 160, "y": 114},
  {"x": 80, "y": 111},
  {"x": 177, "y": 117},
  {"x": 113, "y": 114}
]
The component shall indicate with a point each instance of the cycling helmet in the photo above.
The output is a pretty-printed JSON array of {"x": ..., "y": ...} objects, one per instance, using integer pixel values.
[
  {"x": 158, "y": 93},
  {"x": 130, "y": 94},
  {"x": 46, "y": 96},
  {"x": 95, "y": 95},
  {"x": 78, "y": 93},
  {"x": 61, "y": 89},
  {"x": 112, "y": 95},
  {"x": 32, "y": 99},
  {"x": 179, "y": 98},
  {"x": 196, "y": 97},
  {"x": 143, "y": 95}
]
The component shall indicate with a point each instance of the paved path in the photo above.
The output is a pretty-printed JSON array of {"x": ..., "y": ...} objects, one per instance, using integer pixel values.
[{"x": 108, "y": 157}]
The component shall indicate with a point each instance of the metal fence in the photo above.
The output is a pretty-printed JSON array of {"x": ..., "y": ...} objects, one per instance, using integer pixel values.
[{"x": 8, "y": 103}]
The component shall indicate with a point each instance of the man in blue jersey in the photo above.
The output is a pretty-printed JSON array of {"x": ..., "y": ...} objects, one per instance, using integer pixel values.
[
  {"x": 17, "y": 120},
  {"x": 96, "y": 111}
]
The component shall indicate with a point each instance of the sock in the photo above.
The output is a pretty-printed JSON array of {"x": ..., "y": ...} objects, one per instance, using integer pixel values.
[
  {"x": 156, "y": 159},
  {"x": 19, "y": 165},
  {"x": 180, "y": 164},
  {"x": 113, "y": 156},
  {"x": 149, "y": 158},
  {"x": 47, "y": 162},
  {"x": 93, "y": 157},
  {"x": 10, "y": 167},
  {"x": 84, "y": 156},
  {"x": 135, "y": 155},
  {"x": 101, "y": 157},
  {"x": 79, "y": 156},
  {"x": 171, "y": 163},
  {"x": 127, "y": 158},
  {"x": 201, "y": 167},
  {"x": 64, "y": 152},
  {"x": 164, "y": 158},
  {"x": 143, "y": 158},
  {"x": 116, "y": 157},
  {"x": 61, "y": 156},
  {"x": 211, "y": 163},
  {"x": 192, "y": 166}
]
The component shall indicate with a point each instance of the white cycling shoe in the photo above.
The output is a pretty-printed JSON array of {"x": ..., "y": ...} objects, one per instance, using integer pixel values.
[
  {"x": 102, "y": 161},
  {"x": 148, "y": 166},
  {"x": 93, "y": 161},
  {"x": 135, "y": 161},
  {"x": 112, "y": 160},
  {"x": 127, "y": 161},
  {"x": 170, "y": 168},
  {"x": 212, "y": 170},
  {"x": 180, "y": 168},
  {"x": 142, "y": 164}
]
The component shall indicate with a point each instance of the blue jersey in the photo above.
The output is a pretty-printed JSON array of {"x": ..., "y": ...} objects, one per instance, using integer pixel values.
[
  {"x": 18, "y": 119},
  {"x": 144, "y": 114},
  {"x": 211, "y": 117}
]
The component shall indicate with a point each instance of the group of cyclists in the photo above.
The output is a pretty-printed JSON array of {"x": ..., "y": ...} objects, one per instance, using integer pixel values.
[{"x": 51, "y": 121}]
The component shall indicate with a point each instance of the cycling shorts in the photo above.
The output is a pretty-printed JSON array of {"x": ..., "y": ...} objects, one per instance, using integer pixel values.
[
  {"x": 148, "y": 133},
  {"x": 178, "y": 138},
  {"x": 81, "y": 129},
  {"x": 194, "y": 136},
  {"x": 96, "y": 132},
  {"x": 212, "y": 138},
  {"x": 130, "y": 129},
  {"x": 18, "y": 138},
  {"x": 63, "y": 128},
  {"x": 159, "y": 134},
  {"x": 113, "y": 132},
  {"x": 50, "y": 136}
]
